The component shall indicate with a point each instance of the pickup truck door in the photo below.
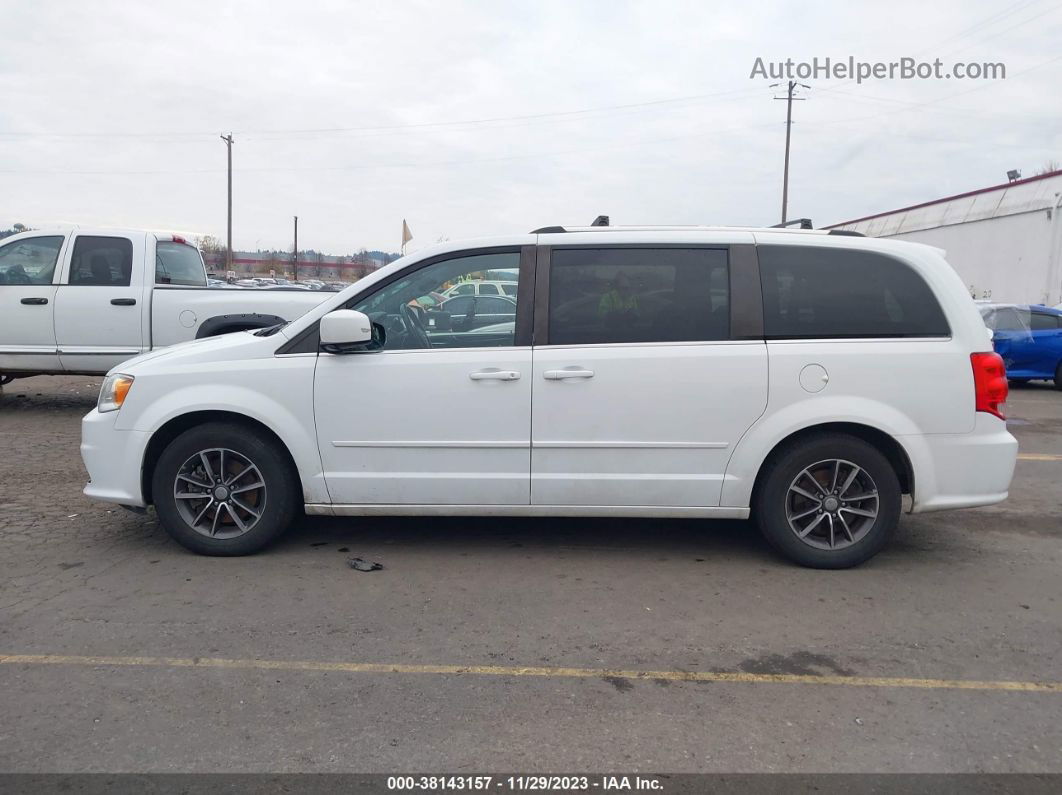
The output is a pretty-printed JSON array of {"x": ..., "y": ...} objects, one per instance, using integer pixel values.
[
  {"x": 100, "y": 308},
  {"x": 28, "y": 274}
]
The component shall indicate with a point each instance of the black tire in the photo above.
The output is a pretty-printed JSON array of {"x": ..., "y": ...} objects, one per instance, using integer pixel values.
[
  {"x": 1018, "y": 381},
  {"x": 773, "y": 496},
  {"x": 1058, "y": 376},
  {"x": 279, "y": 500}
]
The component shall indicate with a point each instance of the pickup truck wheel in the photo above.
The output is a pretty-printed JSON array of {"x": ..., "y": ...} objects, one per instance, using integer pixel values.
[
  {"x": 222, "y": 489},
  {"x": 829, "y": 502}
]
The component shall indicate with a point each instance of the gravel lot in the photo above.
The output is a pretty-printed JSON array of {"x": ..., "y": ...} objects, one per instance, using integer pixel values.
[{"x": 547, "y": 610}]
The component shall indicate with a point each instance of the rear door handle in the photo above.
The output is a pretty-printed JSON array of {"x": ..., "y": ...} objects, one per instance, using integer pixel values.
[
  {"x": 123, "y": 302},
  {"x": 35, "y": 301},
  {"x": 560, "y": 375},
  {"x": 495, "y": 375}
]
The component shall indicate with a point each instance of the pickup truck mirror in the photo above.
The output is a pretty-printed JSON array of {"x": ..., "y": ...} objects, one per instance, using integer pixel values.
[{"x": 350, "y": 331}]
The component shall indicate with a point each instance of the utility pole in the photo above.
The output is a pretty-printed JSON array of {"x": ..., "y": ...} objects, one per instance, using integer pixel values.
[
  {"x": 228, "y": 249},
  {"x": 295, "y": 255},
  {"x": 793, "y": 84}
]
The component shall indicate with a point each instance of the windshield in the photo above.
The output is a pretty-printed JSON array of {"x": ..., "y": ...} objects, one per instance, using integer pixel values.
[{"x": 179, "y": 263}]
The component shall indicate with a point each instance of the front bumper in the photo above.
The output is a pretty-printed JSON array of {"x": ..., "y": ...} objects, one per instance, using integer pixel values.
[
  {"x": 113, "y": 459},
  {"x": 963, "y": 470}
]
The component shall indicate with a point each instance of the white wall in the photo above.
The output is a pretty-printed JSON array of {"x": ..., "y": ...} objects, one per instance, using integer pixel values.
[{"x": 1014, "y": 258}]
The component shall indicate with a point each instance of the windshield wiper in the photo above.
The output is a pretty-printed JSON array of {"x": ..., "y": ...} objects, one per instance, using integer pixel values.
[{"x": 269, "y": 331}]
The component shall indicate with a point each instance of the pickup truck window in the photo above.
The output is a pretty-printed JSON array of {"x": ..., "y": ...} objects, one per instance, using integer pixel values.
[
  {"x": 101, "y": 261},
  {"x": 29, "y": 261},
  {"x": 178, "y": 263}
]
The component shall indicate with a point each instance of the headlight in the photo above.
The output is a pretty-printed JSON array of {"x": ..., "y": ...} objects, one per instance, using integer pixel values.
[{"x": 112, "y": 393}]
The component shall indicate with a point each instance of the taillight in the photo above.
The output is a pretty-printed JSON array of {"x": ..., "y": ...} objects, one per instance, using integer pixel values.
[{"x": 990, "y": 383}]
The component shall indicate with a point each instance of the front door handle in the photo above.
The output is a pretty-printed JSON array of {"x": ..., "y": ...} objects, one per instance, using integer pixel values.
[
  {"x": 495, "y": 375},
  {"x": 560, "y": 375},
  {"x": 35, "y": 301},
  {"x": 123, "y": 302}
]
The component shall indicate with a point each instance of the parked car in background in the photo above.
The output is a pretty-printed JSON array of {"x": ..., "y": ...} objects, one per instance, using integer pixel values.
[
  {"x": 804, "y": 378},
  {"x": 1029, "y": 338},
  {"x": 79, "y": 300},
  {"x": 468, "y": 312},
  {"x": 481, "y": 287}
]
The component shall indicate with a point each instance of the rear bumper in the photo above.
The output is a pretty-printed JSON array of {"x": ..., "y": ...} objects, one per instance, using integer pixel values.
[
  {"x": 962, "y": 470},
  {"x": 113, "y": 459}
]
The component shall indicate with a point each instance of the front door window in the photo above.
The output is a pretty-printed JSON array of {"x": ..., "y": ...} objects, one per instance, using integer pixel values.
[{"x": 421, "y": 310}]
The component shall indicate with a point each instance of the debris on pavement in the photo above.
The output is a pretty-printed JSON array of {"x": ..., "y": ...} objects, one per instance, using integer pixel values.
[{"x": 363, "y": 565}]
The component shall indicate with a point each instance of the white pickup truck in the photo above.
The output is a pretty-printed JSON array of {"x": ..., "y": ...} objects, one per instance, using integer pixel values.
[{"x": 81, "y": 300}]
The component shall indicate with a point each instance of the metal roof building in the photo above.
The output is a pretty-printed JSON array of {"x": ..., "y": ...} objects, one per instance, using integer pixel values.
[{"x": 1004, "y": 241}]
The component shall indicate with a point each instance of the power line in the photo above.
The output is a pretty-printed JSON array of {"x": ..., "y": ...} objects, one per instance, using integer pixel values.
[{"x": 532, "y": 117}]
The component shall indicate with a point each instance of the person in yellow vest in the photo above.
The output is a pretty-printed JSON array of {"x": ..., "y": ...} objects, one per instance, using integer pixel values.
[{"x": 620, "y": 300}]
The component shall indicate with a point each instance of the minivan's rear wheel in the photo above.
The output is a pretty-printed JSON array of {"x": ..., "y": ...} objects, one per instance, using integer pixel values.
[
  {"x": 828, "y": 502},
  {"x": 220, "y": 489}
]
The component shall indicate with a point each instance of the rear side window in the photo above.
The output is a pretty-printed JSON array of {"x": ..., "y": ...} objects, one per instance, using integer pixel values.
[
  {"x": 29, "y": 261},
  {"x": 816, "y": 293},
  {"x": 101, "y": 261},
  {"x": 179, "y": 263},
  {"x": 638, "y": 295},
  {"x": 1043, "y": 322}
]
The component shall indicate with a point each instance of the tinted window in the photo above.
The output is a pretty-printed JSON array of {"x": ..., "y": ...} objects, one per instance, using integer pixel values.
[
  {"x": 179, "y": 263},
  {"x": 510, "y": 289},
  {"x": 460, "y": 305},
  {"x": 495, "y": 304},
  {"x": 488, "y": 289},
  {"x": 101, "y": 261},
  {"x": 413, "y": 317},
  {"x": 638, "y": 295},
  {"x": 30, "y": 261},
  {"x": 463, "y": 289},
  {"x": 1042, "y": 322},
  {"x": 813, "y": 292}
]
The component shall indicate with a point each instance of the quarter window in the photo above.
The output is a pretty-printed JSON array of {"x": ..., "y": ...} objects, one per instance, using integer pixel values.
[
  {"x": 615, "y": 295},
  {"x": 101, "y": 261},
  {"x": 30, "y": 260},
  {"x": 416, "y": 312},
  {"x": 817, "y": 293}
]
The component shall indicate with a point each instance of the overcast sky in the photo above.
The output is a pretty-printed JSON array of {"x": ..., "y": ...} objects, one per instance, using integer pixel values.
[{"x": 498, "y": 117}]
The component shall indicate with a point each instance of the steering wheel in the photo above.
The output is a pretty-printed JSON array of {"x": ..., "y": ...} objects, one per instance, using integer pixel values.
[{"x": 414, "y": 326}]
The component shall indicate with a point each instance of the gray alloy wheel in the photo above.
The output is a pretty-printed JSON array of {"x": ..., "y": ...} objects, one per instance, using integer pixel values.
[
  {"x": 220, "y": 493},
  {"x": 831, "y": 504}
]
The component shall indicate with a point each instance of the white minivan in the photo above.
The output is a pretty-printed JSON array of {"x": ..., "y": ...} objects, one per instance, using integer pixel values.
[{"x": 805, "y": 378}]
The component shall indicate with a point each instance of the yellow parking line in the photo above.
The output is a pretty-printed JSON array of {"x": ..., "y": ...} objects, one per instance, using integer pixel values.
[
  {"x": 1038, "y": 457},
  {"x": 502, "y": 670}
]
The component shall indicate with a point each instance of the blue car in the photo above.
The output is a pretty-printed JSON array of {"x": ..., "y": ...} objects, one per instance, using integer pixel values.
[{"x": 1029, "y": 338}]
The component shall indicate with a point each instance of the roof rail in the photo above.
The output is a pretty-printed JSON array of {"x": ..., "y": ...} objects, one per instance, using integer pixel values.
[
  {"x": 548, "y": 230},
  {"x": 601, "y": 220},
  {"x": 805, "y": 223},
  {"x": 846, "y": 232}
]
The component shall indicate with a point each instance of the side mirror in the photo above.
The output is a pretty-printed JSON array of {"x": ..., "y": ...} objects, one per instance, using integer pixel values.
[{"x": 349, "y": 331}]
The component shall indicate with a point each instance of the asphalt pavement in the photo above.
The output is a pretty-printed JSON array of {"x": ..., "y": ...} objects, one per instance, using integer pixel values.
[{"x": 520, "y": 644}]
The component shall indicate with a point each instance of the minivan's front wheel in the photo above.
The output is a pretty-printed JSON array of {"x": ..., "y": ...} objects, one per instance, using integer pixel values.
[
  {"x": 828, "y": 502},
  {"x": 220, "y": 489}
]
